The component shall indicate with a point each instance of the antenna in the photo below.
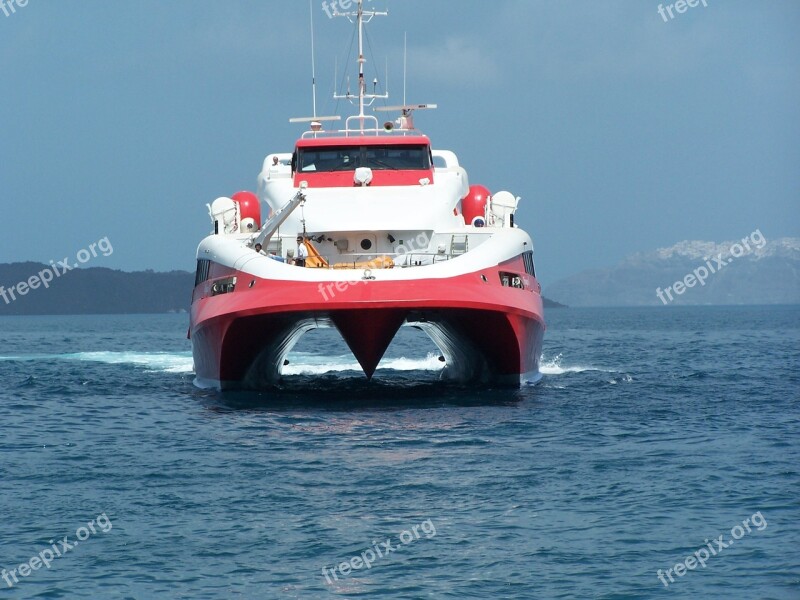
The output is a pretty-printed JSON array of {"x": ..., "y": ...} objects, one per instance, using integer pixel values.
[
  {"x": 405, "y": 61},
  {"x": 316, "y": 122},
  {"x": 313, "y": 64},
  {"x": 364, "y": 99}
]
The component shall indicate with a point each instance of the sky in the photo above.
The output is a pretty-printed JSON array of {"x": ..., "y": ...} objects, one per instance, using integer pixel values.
[{"x": 622, "y": 130}]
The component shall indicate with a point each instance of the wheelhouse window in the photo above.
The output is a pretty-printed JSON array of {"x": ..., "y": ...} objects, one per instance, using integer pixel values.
[{"x": 376, "y": 157}]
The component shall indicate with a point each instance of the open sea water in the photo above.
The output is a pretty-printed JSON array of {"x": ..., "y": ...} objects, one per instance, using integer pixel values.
[{"x": 657, "y": 440}]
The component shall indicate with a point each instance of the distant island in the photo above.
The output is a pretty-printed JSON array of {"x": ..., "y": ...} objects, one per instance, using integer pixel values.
[
  {"x": 692, "y": 273},
  {"x": 552, "y": 303},
  {"x": 97, "y": 291}
]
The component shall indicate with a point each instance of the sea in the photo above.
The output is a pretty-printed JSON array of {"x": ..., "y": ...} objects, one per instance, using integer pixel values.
[{"x": 658, "y": 457}]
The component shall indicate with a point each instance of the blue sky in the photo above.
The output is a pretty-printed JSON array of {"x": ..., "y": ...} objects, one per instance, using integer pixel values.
[{"x": 621, "y": 132}]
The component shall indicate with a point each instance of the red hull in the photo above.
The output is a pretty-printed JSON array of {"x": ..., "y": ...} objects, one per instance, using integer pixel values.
[{"x": 487, "y": 332}]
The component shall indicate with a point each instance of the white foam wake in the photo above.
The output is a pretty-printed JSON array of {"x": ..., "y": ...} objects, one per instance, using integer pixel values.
[
  {"x": 300, "y": 363},
  {"x": 306, "y": 363},
  {"x": 166, "y": 362},
  {"x": 554, "y": 367},
  {"x": 179, "y": 362}
]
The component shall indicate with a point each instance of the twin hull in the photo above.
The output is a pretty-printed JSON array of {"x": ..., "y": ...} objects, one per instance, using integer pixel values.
[{"x": 482, "y": 309}]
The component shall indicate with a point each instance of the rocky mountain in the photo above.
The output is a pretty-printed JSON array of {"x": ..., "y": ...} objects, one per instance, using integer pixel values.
[{"x": 748, "y": 271}]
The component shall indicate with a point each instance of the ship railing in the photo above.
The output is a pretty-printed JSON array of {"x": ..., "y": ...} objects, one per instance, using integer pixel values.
[
  {"x": 379, "y": 260},
  {"x": 358, "y": 132},
  {"x": 421, "y": 259}
]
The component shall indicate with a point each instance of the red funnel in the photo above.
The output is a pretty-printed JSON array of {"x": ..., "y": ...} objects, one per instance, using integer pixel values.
[{"x": 368, "y": 333}]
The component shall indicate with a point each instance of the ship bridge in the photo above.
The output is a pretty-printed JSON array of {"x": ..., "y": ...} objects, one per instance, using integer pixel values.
[{"x": 363, "y": 160}]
